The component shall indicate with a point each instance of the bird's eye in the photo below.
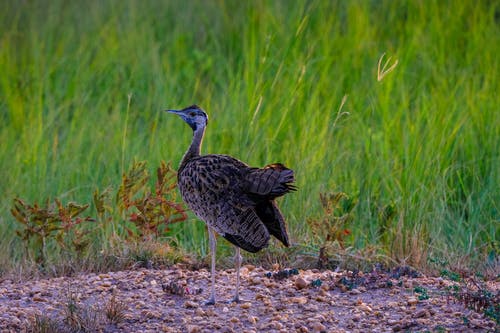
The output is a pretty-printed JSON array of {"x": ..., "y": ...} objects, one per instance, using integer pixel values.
[{"x": 192, "y": 114}]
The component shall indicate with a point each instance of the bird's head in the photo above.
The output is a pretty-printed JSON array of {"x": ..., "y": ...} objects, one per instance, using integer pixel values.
[{"x": 193, "y": 115}]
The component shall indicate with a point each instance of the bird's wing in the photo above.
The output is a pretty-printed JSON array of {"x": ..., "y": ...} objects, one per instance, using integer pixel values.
[{"x": 242, "y": 227}]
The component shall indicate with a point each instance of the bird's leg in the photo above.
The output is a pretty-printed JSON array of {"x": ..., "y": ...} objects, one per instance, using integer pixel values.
[
  {"x": 213, "y": 244},
  {"x": 237, "y": 261}
]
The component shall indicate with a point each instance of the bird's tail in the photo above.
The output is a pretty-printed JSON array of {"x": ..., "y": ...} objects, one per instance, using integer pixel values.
[{"x": 274, "y": 180}]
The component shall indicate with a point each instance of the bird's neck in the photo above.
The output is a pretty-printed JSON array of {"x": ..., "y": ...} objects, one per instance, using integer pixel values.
[{"x": 195, "y": 147}]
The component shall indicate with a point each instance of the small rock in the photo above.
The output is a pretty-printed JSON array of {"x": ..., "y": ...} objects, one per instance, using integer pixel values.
[
  {"x": 312, "y": 308},
  {"x": 249, "y": 267},
  {"x": 190, "y": 305},
  {"x": 255, "y": 280},
  {"x": 277, "y": 325},
  {"x": 38, "y": 298},
  {"x": 364, "y": 307},
  {"x": 318, "y": 327},
  {"x": 226, "y": 329},
  {"x": 225, "y": 309},
  {"x": 260, "y": 296},
  {"x": 199, "y": 311},
  {"x": 252, "y": 320},
  {"x": 392, "y": 322},
  {"x": 246, "y": 305},
  {"x": 477, "y": 323},
  {"x": 193, "y": 329},
  {"x": 300, "y": 283},
  {"x": 299, "y": 300},
  {"x": 422, "y": 313},
  {"x": 412, "y": 301},
  {"x": 321, "y": 299},
  {"x": 355, "y": 292}
]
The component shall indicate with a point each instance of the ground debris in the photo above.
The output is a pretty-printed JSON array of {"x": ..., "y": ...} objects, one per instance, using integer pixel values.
[{"x": 297, "y": 301}]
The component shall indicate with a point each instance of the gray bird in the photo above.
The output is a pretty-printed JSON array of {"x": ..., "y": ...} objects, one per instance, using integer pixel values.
[{"x": 233, "y": 199}]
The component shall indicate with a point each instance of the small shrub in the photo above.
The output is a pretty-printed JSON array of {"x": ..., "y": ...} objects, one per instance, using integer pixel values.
[
  {"x": 115, "y": 310},
  {"x": 479, "y": 298},
  {"x": 453, "y": 276},
  {"x": 422, "y": 293},
  {"x": 332, "y": 228},
  {"x": 102, "y": 204},
  {"x": 150, "y": 211},
  {"x": 41, "y": 224},
  {"x": 43, "y": 324},
  {"x": 82, "y": 317}
]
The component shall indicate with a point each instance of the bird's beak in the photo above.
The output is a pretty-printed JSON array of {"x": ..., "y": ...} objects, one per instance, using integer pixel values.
[{"x": 173, "y": 111}]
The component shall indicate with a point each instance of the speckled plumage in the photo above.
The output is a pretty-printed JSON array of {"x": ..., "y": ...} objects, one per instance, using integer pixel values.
[
  {"x": 232, "y": 198},
  {"x": 235, "y": 199}
]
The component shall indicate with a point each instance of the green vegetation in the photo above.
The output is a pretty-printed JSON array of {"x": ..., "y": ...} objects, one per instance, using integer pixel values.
[{"x": 414, "y": 144}]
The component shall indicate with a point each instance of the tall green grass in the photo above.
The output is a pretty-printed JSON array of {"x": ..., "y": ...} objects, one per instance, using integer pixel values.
[{"x": 82, "y": 86}]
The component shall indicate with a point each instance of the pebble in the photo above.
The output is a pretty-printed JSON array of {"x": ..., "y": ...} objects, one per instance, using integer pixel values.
[
  {"x": 193, "y": 329},
  {"x": 226, "y": 329},
  {"x": 412, "y": 300},
  {"x": 190, "y": 305},
  {"x": 364, "y": 307},
  {"x": 299, "y": 300},
  {"x": 300, "y": 283},
  {"x": 421, "y": 313},
  {"x": 246, "y": 305},
  {"x": 321, "y": 299},
  {"x": 255, "y": 280},
  {"x": 250, "y": 267},
  {"x": 318, "y": 327}
]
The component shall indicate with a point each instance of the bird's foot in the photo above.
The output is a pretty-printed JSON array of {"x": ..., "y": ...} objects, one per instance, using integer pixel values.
[
  {"x": 236, "y": 299},
  {"x": 210, "y": 301}
]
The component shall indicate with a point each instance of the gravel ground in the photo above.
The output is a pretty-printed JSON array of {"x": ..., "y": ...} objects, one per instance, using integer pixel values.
[{"x": 172, "y": 300}]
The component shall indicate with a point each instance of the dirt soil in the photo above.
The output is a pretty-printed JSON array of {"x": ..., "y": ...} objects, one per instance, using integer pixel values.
[{"x": 172, "y": 300}]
